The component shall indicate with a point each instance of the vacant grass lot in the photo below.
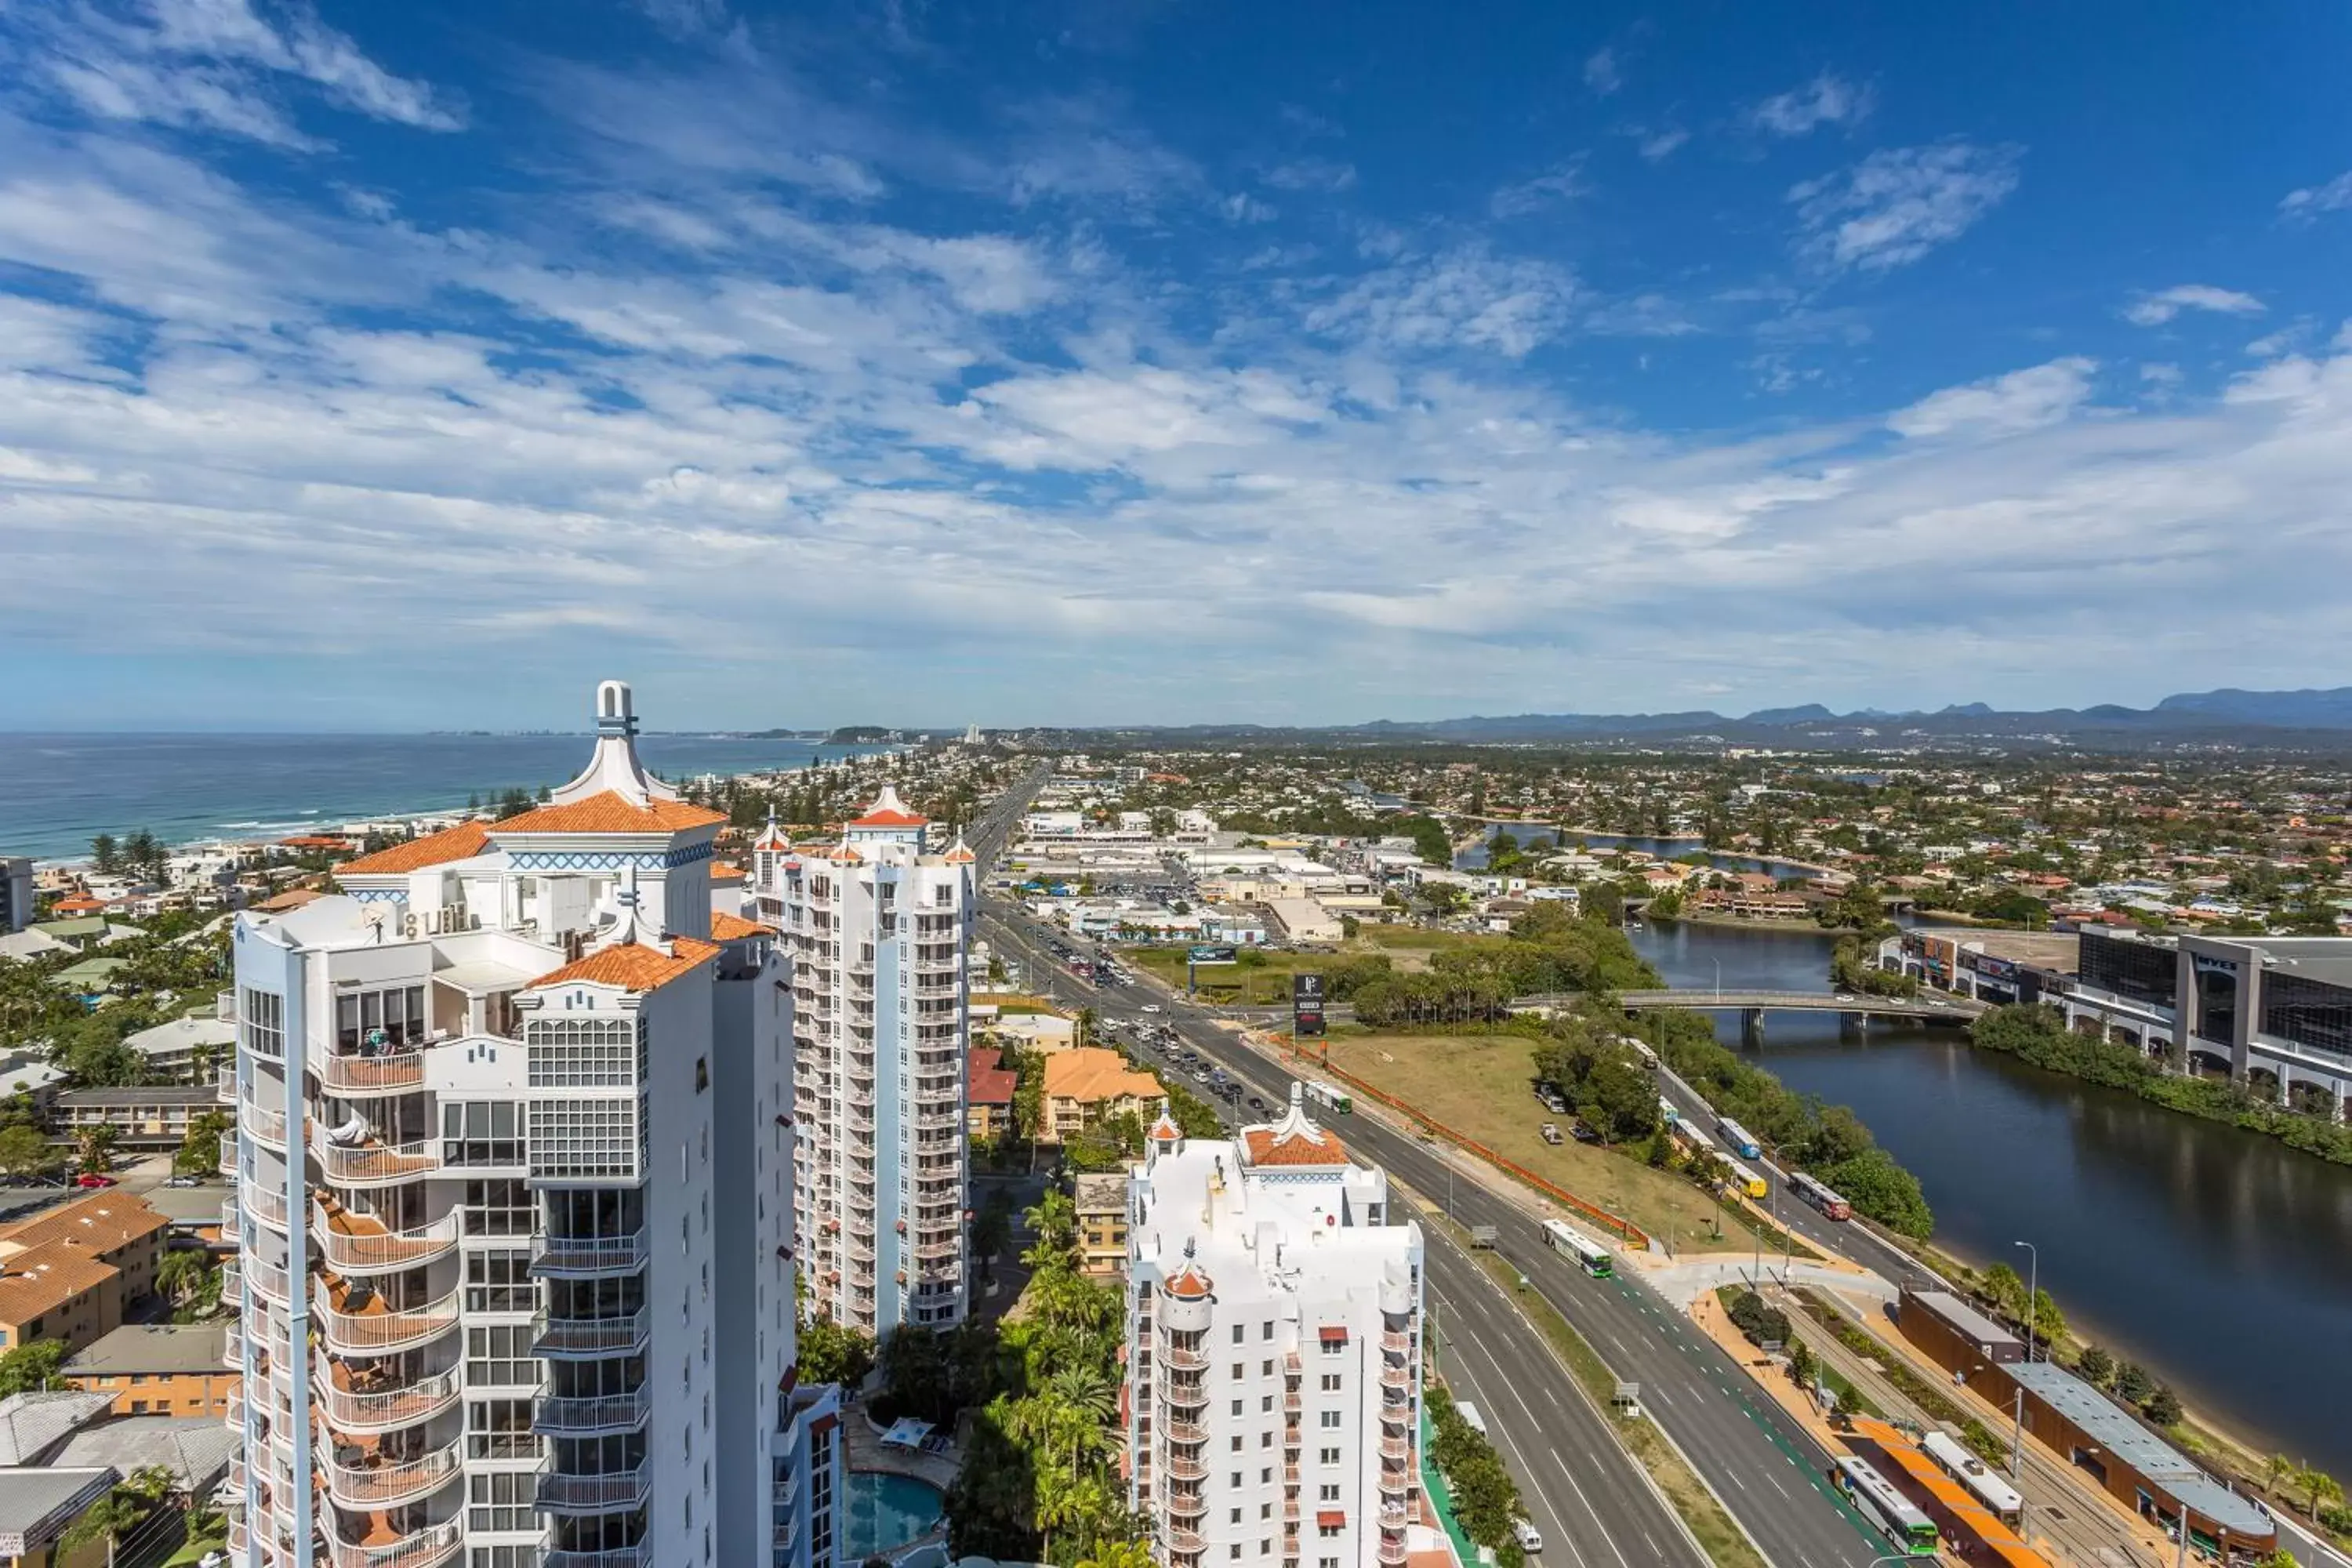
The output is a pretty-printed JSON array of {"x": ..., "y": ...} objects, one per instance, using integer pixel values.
[
  {"x": 1232, "y": 985},
  {"x": 1478, "y": 1085}
]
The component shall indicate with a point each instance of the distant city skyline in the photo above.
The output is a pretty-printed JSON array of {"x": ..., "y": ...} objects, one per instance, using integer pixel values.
[{"x": 379, "y": 369}]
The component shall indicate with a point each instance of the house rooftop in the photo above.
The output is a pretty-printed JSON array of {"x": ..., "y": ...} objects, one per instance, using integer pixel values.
[{"x": 153, "y": 1350}]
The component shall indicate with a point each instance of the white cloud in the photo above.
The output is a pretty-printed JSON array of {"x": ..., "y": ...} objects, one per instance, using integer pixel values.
[
  {"x": 1827, "y": 100},
  {"x": 2022, "y": 400},
  {"x": 2333, "y": 196},
  {"x": 1563, "y": 183},
  {"x": 214, "y": 65},
  {"x": 2154, "y": 310},
  {"x": 1898, "y": 205},
  {"x": 1242, "y": 208},
  {"x": 1659, "y": 144},
  {"x": 1604, "y": 73},
  {"x": 1312, "y": 174},
  {"x": 1466, "y": 298}
]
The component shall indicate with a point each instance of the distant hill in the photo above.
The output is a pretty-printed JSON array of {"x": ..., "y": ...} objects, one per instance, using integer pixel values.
[{"x": 2305, "y": 710}]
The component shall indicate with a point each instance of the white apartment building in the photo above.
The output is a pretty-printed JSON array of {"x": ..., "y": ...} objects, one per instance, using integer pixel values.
[
  {"x": 514, "y": 1206},
  {"x": 1274, "y": 1333},
  {"x": 879, "y": 926}
]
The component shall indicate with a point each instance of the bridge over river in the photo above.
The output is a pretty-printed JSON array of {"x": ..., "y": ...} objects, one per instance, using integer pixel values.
[{"x": 1751, "y": 1005}]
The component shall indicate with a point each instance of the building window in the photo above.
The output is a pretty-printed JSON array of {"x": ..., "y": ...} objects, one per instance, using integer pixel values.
[
  {"x": 500, "y": 1282},
  {"x": 499, "y": 1357},
  {"x": 1331, "y": 1419},
  {"x": 1331, "y": 1456},
  {"x": 582, "y": 1053},
  {"x": 481, "y": 1132},
  {"x": 1330, "y": 1383},
  {"x": 390, "y": 1019},
  {"x": 261, "y": 1023}
]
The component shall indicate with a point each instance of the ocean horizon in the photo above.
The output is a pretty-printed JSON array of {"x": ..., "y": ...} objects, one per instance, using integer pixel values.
[{"x": 58, "y": 789}]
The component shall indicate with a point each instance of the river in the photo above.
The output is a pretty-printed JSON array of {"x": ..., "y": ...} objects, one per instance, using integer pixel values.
[{"x": 2220, "y": 1261}]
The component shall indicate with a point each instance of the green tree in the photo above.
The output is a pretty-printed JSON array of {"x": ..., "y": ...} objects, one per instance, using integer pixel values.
[
  {"x": 2163, "y": 1407},
  {"x": 2002, "y": 1286},
  {"x": 186, "y": 1276},
  {"x": 108, "y": 1520},
  {"x": 199, "y": 1151},
  {"x": 1054, "y": 1219},
  {"x": 2096, "y": 1367},
  {"x": 2133, "y": 1385},
  {"x": 106, "y": 854},
  {"x": 834, "y": 1352},
  {"x": 30, "y": 1368},
  {"x": 2319, "y": 1488},
  {"x": 992, "y": 1230},
  {"x": 24, "y": 1153}
]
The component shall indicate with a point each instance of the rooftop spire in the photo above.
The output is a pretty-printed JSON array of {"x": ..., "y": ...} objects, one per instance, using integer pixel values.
[{"x": 613, "y": 768}]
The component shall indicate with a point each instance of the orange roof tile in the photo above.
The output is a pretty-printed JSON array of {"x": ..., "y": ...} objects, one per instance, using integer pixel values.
[
  {"x": 1091, "y": 1073},
  {"x": 632, "y": 967},
  {"x": 1271, "y": 1146},
  {"x": 42, "y": 1278},
  {"x": 720, "y": 871},
  {"x": 1188, "y": 1283},
  {"x": 101, "y": 1221},
  {"x": 462, "y": 842},
  {"x": 725, "y": 927},
  {"x": 610, "y": 813}
]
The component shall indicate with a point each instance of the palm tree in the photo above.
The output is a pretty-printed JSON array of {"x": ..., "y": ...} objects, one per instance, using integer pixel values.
[
  {"x": 183, "y": 1275},
  {"x": 109, "y": 1519},
  {"x": 95, "y": 1147},
  {"x": 2318, "y": 1487},
  {"x": 2276, "y": 1471},
  {"x": 1055, "y": 1220},
  {"x": 1113, "y": 1554}
]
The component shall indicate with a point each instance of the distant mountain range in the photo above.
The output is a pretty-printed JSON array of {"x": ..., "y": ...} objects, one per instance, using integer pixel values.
[{"x": 2315, "y": 719}]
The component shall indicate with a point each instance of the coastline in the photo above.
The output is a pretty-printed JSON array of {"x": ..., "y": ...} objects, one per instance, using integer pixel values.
[{"x": 56, "y": 791}]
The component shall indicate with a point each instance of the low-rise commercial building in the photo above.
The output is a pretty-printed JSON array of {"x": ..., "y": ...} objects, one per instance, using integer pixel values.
[
  {"x": 1087, "y": 1086},
  {"x": 158, "y": 1368},
  {"x": 1999, "y": 966},
  {"x": 1303, "y": 922},
  {"x": 152, "y": 1116}
]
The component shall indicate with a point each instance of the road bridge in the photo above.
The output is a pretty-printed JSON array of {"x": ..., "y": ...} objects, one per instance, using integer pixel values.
[{"x": 1751, "y": 1005}]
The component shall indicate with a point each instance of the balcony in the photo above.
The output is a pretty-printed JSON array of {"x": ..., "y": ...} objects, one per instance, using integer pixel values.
[
  {"x": 595, "y": 1494},
  {"x": 1185, "y": 1396},
  {"x": 227, "y": 1165},
  {"x": 1182, "y": 1540},
  {"x": 593, "y": 1336},
  {"x": 1395, "y": 1376},
  {"x": 352, "y": 1076},
  {"x": 372, "y": 1162},
  {"x": 1395, "y": 1342},
  {"x": 358, "y": 1403},
  {"x": 571, "y": 1417},
  {"x": 268, "y": 1204},
  {"x": 1183, "y": 1432},
  {"x": 366, "y": 1487},
  {"x": 1391, "y": 1550},
  {"x": 267, "y": 1128},
  {"x": 570, "y": 1256},
  {"x": 1176, "y": 1358},
  {"x": 638, "y": 1556},
  {"x": 933, "y": 1251},
  {"x": 363, "y": 1244},
  {"x": 420, "y": 1549},
  {"x": 266, "y": 1282},
  {"x": 1187, "y": 1505},
  {"x": 359, "y": 1322},
  {"x": 1179, "y": 1469},
  {"x": 1396, "y": 1448}
]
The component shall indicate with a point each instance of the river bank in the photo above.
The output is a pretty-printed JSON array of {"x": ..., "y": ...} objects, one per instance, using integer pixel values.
[{"x": 2153, "y": 1227}]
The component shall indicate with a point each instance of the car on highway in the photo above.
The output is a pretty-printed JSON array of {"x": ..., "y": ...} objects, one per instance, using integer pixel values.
[
  {"x": 184, "y": 1182},
  {"x": 1152, "y": 1007},
  {"x": 1257, "y": 1102},
  {"x": 1202, "y": 1076},
  {"x": 1530, "y": 1538}
]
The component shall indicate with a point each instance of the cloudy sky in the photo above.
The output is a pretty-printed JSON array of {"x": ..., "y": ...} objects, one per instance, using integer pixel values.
[{"x": 381, "y": 366}]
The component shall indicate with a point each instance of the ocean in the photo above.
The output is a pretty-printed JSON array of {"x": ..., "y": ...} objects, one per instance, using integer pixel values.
[{"x": 56, "y": 791}]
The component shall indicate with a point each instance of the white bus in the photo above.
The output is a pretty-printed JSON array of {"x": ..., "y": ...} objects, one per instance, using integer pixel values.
[
  {"x": 1876, "y": 1498},
  {"x": 1571, "y": 1242},
  {"x": 1741, "y": 1142},
  {"x": 1697, "y": 1141},
  {"x": 1667, "y": 1113},
  {"x": 1999, "y": 1498},
  {"x": 1643, "y": 1053},
  {"x": 1330, "y": 1098},
  {"x": 1744, "y": 1180}
]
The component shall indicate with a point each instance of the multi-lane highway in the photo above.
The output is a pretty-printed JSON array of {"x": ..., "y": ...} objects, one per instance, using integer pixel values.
[{"x": 1769, "y": 1474}]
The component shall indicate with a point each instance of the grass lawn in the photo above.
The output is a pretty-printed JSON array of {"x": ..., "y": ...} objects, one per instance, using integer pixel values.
[
  {"x": 1232, "y": 985},
  {"x": 1478, "y": 1085}
]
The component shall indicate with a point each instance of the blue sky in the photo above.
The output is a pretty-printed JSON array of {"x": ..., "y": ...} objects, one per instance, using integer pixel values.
[{"x": 386, "y": 366}]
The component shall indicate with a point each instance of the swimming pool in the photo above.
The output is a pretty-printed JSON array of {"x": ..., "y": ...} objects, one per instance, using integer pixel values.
[{"x": 879, "y": 1512}]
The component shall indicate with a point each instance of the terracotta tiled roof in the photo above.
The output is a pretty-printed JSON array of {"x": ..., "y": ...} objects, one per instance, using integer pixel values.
[
  {"x": 42, "y": 1278},
  {"x": 725, "y": 927},
  {"x": 101, "y": 1222},
  {"x": 1273, "y": 1146},
  {"x": 462, "y": 842},
  {"x": 610, "y": 813},
  {"x": 720, "y": 871},
  {"x": 992, "y": 1082},
  {"x": 1187, "y": 1284},
  {"x": 632, "y": 967},
  {"x": 1091, "y": 1074}
]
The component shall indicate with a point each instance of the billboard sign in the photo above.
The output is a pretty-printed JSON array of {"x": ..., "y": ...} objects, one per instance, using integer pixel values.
[
  {"x": 1306, "y": 1005},
  {"x": 1212, "y": 956}
]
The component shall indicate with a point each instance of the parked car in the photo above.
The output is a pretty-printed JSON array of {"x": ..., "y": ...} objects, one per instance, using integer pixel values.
[
  {"x": 92, "y": 1179},
  {"x": 184, "y": 1182},
  {"x": 1152, "y": 1006},
  {"x": 1527, "y": 1535},
  {"x": 1550, "y": 1133}
]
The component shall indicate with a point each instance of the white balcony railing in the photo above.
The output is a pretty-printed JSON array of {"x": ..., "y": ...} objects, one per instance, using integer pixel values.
[
  {"x": 369, "y": 1487},
  {"x": 377, "y": 1329}
]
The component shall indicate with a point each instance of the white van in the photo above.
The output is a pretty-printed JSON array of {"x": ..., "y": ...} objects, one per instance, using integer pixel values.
[
  {"x": 1470, "y": 1416},
  {"x": 1530, "y": 1538}
]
